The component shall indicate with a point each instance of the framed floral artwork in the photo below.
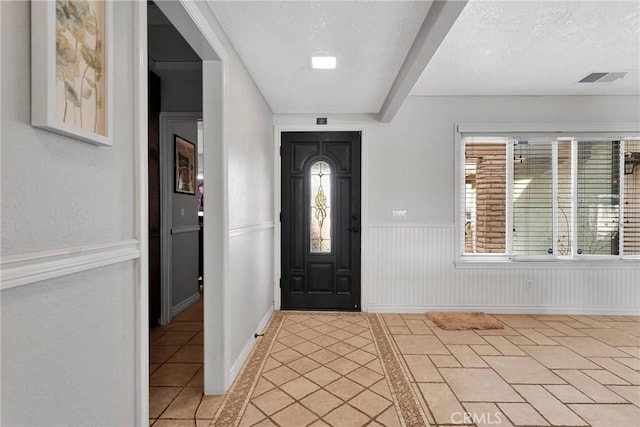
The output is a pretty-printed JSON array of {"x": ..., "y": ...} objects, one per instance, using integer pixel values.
[
  {"x": 185, "y": 161},
  {"x": 71, "y": 68}
]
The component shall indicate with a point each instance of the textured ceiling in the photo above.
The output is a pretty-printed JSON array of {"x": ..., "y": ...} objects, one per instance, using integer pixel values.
[
  {"x": 537, "y": 48},
  {"x": 277, "y": 39}
]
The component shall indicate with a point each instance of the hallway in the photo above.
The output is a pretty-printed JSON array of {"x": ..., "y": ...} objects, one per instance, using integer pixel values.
[{"x": 356, "y": 369}]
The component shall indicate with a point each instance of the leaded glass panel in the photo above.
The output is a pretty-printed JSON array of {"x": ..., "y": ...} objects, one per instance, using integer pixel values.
[{"x": 320, "y": 207}]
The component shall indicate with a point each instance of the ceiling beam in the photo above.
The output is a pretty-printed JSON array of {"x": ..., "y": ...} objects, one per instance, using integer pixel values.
[{"x": 439, "y": 20}]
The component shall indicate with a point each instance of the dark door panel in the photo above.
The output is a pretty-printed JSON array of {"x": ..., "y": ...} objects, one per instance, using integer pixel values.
[
  {"x": 154, "y": 199},
  {"x": 321, "y": 220}
]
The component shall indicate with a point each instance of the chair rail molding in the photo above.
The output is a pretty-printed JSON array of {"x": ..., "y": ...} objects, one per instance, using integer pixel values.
[
  {"x": 23, "y": 269},
  {"x": 246, "y": 229}
]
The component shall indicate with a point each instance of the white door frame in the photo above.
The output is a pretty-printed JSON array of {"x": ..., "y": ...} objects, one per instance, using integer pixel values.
[
  {"x": 190, "y": 20},
  {"x": 277, "y": 205}
]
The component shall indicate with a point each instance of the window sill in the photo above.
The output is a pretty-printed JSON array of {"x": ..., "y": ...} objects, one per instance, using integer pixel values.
[{"x": 583, "y": 263}]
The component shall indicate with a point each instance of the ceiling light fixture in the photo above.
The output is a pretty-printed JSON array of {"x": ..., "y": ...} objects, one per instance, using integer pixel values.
[{"x": 323, "y": 62}]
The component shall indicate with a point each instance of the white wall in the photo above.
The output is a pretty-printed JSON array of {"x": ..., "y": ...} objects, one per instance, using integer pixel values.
[
  {"x": 250, "y": 173},
  {"x": 67, "y": 350},
  {"x": 67, "y": 343},
  {"x": 249, "y": 291},
  {"x": 410, "y": 166}
]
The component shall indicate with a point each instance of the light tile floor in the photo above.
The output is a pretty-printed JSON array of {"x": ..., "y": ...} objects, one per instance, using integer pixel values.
[
  {"x": 323, "y": 369},
  {"x": 175, "y": 373},
  {"x": 540, "y": 370}
]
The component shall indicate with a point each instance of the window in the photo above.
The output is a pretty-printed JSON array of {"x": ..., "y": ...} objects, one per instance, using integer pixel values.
[
  {"x": 550, "y": 198},
  {"x": 631, "y": 198},
  {"x": 320, "y": 208}
]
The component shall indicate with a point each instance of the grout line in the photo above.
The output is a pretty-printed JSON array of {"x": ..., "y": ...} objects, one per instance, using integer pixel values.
[
  {"x": 166, "y": 362},
  {"x": 407, "y": 373}
]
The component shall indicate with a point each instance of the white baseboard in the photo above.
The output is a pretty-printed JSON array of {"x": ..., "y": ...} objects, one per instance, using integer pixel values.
[
  {"x": 185, "y": 304},
  {"x": 498, "y": 309},
  {"x": 246, "y": 350}
]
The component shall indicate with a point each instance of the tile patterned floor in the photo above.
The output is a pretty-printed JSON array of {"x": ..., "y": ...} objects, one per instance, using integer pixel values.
[
  {"x": 175, "y": 373},
  {"x": 539, "y": 370},
  {"x": 319, "y": 369},
  {"x": 322, "y": 369}
]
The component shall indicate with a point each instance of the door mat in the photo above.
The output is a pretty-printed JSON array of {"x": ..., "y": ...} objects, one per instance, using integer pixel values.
[{"x": 461, "y": 321}]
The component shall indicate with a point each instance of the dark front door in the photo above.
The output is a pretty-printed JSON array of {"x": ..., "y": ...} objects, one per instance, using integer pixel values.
[{"x": 321, "y": 220}]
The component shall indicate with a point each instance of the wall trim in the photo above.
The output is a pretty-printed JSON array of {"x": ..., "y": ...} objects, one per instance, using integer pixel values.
[
  {"x": 185, "y": 229},
  {"x": 179, "y": 308},
  {"x": 208, "y": 32},
  {"x": 558, "y": 264},
  {"x": 506, "y": 309},
  {"x": 404, "y": 224},
  {"x": 246, "y": 350},
  {"x": 547, "y": 128},
  {"x": 141, "y": 126},
  {"x": 23, "y": 269},
  {"x": 246, "y": 229}
]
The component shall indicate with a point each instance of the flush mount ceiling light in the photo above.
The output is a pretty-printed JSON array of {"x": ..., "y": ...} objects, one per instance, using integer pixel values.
[
  {"x": 602, "y": 77},
  {"x": 323, "y": 62}
]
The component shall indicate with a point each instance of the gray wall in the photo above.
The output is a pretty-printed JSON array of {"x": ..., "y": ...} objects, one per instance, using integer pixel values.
[
  {"x": 181, "y": 94},
  {"x": 410, "y": 161},
  {"x": 182, "y": 256},
  {"x": 67, "y": 343}
]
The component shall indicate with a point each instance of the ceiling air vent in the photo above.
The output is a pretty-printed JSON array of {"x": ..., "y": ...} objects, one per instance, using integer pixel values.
[{"x": 602, "y": 77}]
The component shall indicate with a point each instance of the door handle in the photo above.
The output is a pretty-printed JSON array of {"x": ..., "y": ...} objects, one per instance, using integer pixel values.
[{"x": 355, "y": 229}]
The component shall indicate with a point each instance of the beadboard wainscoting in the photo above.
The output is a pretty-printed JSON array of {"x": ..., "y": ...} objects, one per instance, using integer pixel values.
[{"x": 410, "y": 268}]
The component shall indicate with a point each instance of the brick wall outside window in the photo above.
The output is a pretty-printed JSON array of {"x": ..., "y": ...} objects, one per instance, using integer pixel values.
[{"x": 490, "y": 183}]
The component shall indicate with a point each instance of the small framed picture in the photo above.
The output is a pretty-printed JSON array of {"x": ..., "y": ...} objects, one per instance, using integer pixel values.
[
  {"x": 185, "y": 161},
  {"x": 72, "y": 68}
]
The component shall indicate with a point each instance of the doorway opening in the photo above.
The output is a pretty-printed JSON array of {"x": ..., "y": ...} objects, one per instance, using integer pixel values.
[
  {"x": 321, "y": 219},
  {"x": 190, "y": 19},
  {"x": 175, "y": 147},
  {"x": 175, "y": 177}
]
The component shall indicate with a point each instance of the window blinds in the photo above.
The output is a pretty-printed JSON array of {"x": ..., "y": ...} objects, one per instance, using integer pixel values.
[
  {"x": 631, "y": 220},
  {"x": 598, "y": 196},
  {"x": 564, "y": 210},
  {"x": 510, "y": 185},
  {"x": 532, "y": 198}
]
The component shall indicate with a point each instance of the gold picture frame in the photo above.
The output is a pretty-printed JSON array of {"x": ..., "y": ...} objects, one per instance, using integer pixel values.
[{"x": 185, "y": 165}]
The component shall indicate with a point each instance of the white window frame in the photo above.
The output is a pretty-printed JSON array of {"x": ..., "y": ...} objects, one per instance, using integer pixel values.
[{"x": 555, "y": 131}]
